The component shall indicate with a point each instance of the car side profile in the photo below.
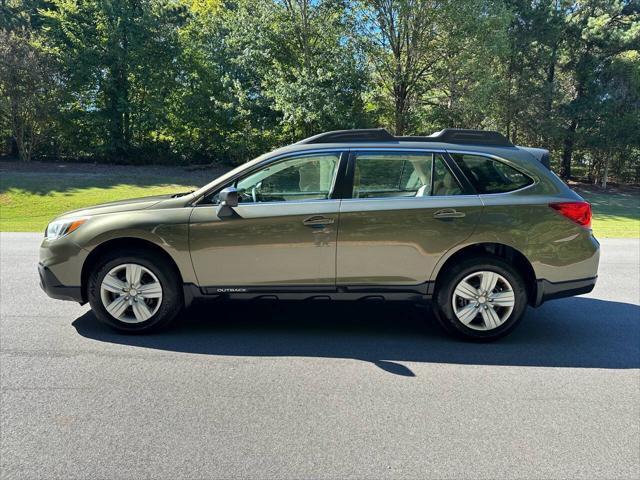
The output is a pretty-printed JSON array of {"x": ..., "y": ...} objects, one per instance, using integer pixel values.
[{"x": 463, "y": 218}]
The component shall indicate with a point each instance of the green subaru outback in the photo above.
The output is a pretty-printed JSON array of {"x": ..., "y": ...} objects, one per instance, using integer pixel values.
[{"x": 463, "y": 218}]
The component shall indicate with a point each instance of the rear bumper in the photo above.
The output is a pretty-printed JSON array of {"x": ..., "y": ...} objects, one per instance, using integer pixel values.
[
  {"x": 54, "y": 288},
  {"x": 551, "y": 290}
]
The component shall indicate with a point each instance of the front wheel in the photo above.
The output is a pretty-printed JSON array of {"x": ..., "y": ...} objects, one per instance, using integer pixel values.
[
  {"x": 135, "y": 292},
  {"x": 480, "y": 299}
]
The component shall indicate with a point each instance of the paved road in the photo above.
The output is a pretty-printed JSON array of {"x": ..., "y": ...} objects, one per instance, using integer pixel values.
[{"x": 348, "y": 391}]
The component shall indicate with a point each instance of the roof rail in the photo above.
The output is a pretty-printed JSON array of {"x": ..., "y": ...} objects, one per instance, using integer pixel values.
[
  {"x": 339, "y": 136},
  {"x": 448, "y": 135},
  {"x": 464, "y": 136}
]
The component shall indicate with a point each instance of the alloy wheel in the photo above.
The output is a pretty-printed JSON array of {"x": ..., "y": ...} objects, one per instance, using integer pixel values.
[
  {"x": 131, "y": 293},
  {"x": 483, "y": 300}
]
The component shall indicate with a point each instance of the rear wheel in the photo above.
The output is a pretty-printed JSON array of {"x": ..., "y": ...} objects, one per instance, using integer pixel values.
[
  {"x": 135, "y": 292},
  {"x": 480, "y": 299}
]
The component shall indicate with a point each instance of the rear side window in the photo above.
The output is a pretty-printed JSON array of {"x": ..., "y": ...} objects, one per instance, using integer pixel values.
[
  {"x": 381, "y": 175},
  {"x": 399, "y": 174},
  {"x": 490, "y": 176}
]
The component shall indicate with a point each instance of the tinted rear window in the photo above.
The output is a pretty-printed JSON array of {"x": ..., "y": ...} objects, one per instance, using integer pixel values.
[{"x": 490, "y": 176}]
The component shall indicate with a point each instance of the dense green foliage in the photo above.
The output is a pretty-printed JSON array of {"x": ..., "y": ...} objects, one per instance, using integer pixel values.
[{"x": 195, "y": 81}]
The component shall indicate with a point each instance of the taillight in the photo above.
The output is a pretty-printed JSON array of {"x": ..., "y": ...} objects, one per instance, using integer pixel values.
[{"x": 578, "y": 212}]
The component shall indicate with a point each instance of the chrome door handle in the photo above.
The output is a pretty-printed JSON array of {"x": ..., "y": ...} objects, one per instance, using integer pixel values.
[
  {"x": 317, "y": 220},
  {"x": 448, "y": 213}
]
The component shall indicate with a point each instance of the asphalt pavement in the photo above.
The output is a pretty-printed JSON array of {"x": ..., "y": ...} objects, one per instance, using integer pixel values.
[{"x": 298, "y": 390}]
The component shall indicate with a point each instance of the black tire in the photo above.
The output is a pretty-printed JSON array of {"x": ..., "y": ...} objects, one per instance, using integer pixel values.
[
  {"x": 443, "y": 297},
  {"x": 172, "y": 296}
]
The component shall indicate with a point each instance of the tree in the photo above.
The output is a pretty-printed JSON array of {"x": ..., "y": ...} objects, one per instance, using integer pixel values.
[
  {"x": 119, "y": 58},
  {"x": 469, "y": 70},
  {"x": 314, "y": 78},
  {"x": 259, "y": 74},
  {"x": 598, "y": 31},
  {"x": 204, "y": 80},
  {"x": 27, "y": 90},
  {"x": 403, "y": 48},
  {"x": 612, "y": 129}
]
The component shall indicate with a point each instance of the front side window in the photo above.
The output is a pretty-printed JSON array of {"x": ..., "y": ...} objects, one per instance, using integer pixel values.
[
  {"x": 397, "y": 174},
  {"x": 308, "y": 177},
  {"x": 490, "y": 176}
]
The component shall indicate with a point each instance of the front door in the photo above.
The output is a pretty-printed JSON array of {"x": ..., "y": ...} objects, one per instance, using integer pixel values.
[
  {"x": 284, "y": 233},
  {"x": 407, "y": 209}
]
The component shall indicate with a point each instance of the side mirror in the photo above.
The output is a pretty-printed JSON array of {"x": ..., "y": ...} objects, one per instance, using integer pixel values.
[{"x": 228, "y": 199}]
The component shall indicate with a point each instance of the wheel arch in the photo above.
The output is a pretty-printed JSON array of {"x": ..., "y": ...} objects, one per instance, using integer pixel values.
[
  {"x": 122, "y": 243},
  {"x": 498, "y": 250}
]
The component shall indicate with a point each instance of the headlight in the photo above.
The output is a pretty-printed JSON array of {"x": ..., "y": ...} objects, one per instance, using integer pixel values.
[{"x": 60, "y": 228}]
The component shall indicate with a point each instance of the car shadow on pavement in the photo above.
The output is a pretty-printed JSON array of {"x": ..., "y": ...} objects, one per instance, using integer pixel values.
[{"x": 576, "y": 332}]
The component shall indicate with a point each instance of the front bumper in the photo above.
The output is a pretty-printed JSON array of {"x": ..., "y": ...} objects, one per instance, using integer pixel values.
[
  {"x": 55, "y": 289},
  {"x": 60, "y": 268},
  {"x": 551, "y": 290}
]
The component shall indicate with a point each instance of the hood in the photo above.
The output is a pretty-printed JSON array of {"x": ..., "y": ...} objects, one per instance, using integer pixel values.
[{"x": 119, "y": 206}]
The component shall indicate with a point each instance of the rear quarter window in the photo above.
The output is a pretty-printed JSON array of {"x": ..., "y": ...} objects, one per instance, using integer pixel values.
[{"x": 490, "y": 176}]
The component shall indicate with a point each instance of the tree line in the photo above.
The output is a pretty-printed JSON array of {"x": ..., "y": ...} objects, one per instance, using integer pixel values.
[{"x": 196, "y": 81}]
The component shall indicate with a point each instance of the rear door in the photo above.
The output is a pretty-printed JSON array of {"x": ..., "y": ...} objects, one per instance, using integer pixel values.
[{"x": 406, "y": 210}]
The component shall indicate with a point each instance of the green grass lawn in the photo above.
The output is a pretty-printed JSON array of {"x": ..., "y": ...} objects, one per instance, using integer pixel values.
[
  {"x": 616, "y": 214},
  {"x": 29, "y": 200},
  {"x": 31, "y": 195}
]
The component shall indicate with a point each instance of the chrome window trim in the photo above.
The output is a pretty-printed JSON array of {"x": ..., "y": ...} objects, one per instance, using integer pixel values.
[
  {"x": 425, "y": 198},
  {"x": 482, "y": 195},
  {"x": 296, "y": 202},
  {"x": 276, "y": 158}
]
